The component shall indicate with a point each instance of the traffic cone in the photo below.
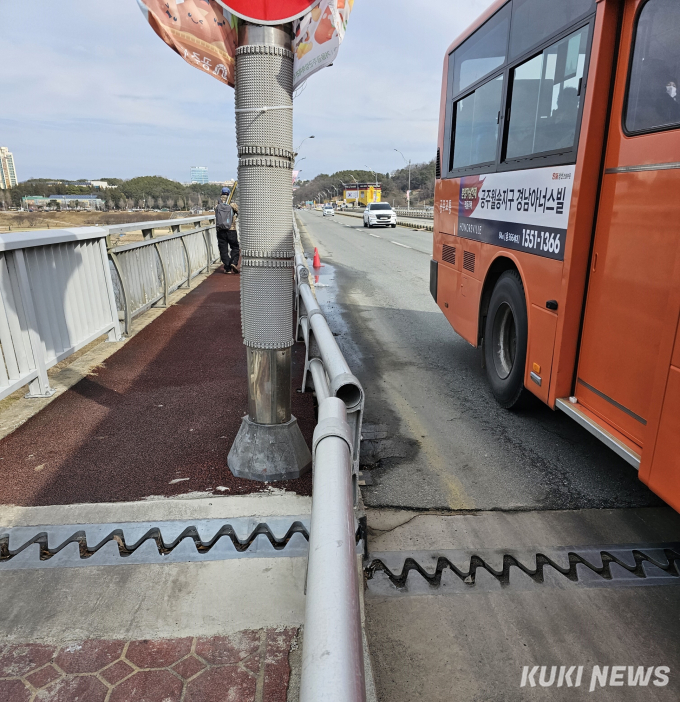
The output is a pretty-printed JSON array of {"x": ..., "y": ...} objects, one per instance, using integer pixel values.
[{"x": 317, "y": 259}]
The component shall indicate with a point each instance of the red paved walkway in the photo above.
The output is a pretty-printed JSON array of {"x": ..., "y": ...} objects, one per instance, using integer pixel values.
[
  {"x": 167, "y": 405},
  {"x": 244, "y": 667}
]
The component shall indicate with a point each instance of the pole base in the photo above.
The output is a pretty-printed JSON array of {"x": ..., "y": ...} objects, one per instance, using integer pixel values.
[{"x": 269, "y": 452}]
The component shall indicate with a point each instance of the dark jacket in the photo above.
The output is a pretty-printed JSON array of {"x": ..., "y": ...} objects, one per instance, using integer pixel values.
[{"x": 224, "y": 216}]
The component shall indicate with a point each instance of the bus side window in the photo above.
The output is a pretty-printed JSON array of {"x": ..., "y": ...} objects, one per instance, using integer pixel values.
[
  {"x": 653, "y": 101},
  {"x": 482, "y": 53},
  {"x": 546, "y": 95},
  {"x": 533, "y": 21},
  {"x": 475, "y": 126}
]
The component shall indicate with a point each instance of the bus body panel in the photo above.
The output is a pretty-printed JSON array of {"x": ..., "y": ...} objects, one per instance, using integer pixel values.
[
  {"x": 663, "y": 473},
  {"x": 631, "y": 280},
  {"x": 633, "y": 275},
  {"x": 563, "y": 281},
  {"x": 584, "y": 199},
  {"x": 618, "y": 286},
  {"x": 660, "y": 466}
]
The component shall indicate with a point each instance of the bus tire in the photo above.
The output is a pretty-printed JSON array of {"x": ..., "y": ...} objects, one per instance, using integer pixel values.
[{"x": 505, "y": 340}]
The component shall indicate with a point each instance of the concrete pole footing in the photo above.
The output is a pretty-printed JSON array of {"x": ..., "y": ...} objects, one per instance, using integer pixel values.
[{"x": 269, "y": 452}]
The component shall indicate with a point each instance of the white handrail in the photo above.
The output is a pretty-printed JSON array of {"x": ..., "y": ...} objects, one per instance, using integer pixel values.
[
  {"x": 332, "y": 656},
  {"x": 332, "y": 659}
]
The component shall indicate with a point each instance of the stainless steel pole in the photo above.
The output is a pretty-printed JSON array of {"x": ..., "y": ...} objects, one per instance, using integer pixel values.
[{"x": 269, "y": 445}]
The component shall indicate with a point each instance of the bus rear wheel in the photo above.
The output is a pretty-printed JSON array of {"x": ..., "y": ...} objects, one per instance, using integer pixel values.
[{"x": 505, "y": 340}]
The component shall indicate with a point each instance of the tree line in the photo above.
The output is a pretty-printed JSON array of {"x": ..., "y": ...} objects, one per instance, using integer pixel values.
[
  {"x": 149, "y": 192},
  {"x": 394, "y": 185}
]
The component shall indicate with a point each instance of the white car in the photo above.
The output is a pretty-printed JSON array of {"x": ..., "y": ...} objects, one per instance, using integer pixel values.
[
  {"x": 328, "y": 211},
  {"x": 380, "y": 213}
]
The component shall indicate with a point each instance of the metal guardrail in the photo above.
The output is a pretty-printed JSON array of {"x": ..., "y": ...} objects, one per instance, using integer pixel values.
[
  {"x": 148, "y": 228},
  {"x": 58, "y": 293},
  {"x": 56, "y": 297},
  {"x": 418, "y": 214},
  {"x": 332, "y": 658},
  {"x": 148, "y": 271}
]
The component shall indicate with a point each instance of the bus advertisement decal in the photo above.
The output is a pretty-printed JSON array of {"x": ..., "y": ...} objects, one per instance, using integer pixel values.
[
  {"x": 542, "y": 241},
  {"x": 522, "y": 210}
]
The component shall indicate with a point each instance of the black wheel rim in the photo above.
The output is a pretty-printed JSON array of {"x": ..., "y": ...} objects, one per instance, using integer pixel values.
[{"x": 504, "y": 341}]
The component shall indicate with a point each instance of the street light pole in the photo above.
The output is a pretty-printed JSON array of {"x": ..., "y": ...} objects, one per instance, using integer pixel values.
[
  {"x": 269, "y": 445},
  {"x": 373, "y": 172},
  {"x": 297, "y": 151},
  {"x": 408, "y": 199}
]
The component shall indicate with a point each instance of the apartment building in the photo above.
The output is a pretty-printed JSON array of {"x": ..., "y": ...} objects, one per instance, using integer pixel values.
[{"x": 8, "y": 172}]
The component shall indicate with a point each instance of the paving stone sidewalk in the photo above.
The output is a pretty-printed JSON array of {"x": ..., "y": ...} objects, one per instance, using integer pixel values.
[{"x": 249, "y": 666}]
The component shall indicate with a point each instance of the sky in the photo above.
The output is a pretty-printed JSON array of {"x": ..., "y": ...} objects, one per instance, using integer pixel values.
[{"x": 89, "y": 91}]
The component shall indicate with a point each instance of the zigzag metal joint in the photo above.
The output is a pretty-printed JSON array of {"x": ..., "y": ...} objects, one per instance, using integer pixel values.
[
  {"x": 111, "y": 544},
  {"x": 619, "y": 565}
]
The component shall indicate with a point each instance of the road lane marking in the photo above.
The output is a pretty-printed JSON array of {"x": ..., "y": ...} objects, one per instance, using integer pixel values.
[
  {"x": 403, "y": 245},
  {"x": 375, "y": 236},
  {"x": 455, "y": 494}
]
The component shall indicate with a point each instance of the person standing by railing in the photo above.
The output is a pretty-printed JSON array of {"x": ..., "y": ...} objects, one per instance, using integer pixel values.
[{"x": 227, "y": 236}]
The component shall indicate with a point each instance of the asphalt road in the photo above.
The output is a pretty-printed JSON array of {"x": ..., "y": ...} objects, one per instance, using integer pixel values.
[
  {"x": 457, "y": 479},
  {"x": 434, "y": 436}
]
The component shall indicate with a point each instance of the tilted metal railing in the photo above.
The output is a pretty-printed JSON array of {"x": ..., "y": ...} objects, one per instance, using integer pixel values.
[
  {"x": 148, "y": 271},
  {"x": 332, "y": 659},
  {"x": 60, "y": 289}
]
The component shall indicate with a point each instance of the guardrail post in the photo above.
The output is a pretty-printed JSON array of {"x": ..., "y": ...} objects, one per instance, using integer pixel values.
[
  {"x": 147, "y": 233},
  {"x": 40, "y": 387},
  {"x": 114, "y": 334},
  {"x": 269, "y": 445},
  {"x": 127, "y": 314},
  {"x": 186, "y": 254},
  {"x": 165, "y": 274},
  {"x": 208, "y": 258}
]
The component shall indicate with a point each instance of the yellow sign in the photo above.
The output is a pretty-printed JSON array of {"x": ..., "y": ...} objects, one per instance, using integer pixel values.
[{"x": 363, "y": 194}]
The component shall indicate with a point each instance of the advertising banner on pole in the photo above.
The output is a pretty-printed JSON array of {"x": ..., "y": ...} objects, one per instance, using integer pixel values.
[
  {"x": 318, "y": 36},
  {"x": 203, "y": 33},
  {"x": 269, "y": 11}
]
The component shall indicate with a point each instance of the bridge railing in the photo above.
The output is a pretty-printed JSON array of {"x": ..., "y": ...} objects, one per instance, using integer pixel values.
[
  {"x": 148, "y": 229},
  {"x": 148, "y": 271},
  {"x": 418, "y": 214},
  {"x": 60, "y": 289},
  {"x": 57, "y": 296}
]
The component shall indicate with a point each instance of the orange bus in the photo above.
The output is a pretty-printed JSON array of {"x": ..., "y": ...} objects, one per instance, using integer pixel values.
[{"x": 557, "y": 207}]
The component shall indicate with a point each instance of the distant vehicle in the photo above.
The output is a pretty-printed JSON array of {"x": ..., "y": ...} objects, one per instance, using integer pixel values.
[
  {"x": 380, "y": 213},
  {"x": 328, "y": 210}
]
